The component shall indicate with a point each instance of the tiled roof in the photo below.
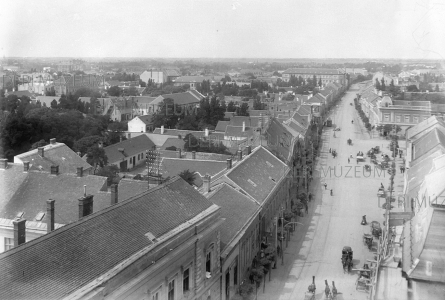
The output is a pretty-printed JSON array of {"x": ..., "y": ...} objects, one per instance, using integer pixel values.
[
  {"x": 128, "y": 188},
  {"x": 430, "y": 250},
  {"x": 147, "y": 119},
  {"x": 58, "y": 263},
  {"x": 143, "y": 100},
  {"x": 279, "y": 139},
  {"x": 314, "y": 71},
  {"x": 315, "y": 99},
  {"x": 304, "y": 110},
  {"x": 434, "y": 138},
  {"x": 229, "y": 115},
  {"x": 258, "y": 173},
  {"x": 176, "y": 142},
  {"x": 178, "y": 98},
  {"x": 221, "y": 126},
  {"x": 65, "y": 189},
  {"x": 174, "y": 166},
  {"x": 302, "y": 120},
  {"x": 22, "y": 93},
  {"x": 249, "y": 121},
  {"x": 183, "y": 133},
  {"x": 171, "y": 72},
  {"x": 257, "y": 113},
  {"x": 197, "y": 94},
  {"x": 10, "y": 181},
  {"x": 53, "y": 155},
  {"x": 236, "y": 208},
  {"x": 423, "y": 126},
  {"x": 131, "y": 147},
  {"x": 417, "y": 172},
  {"x": 237, "y": 131},
  {"x": 198, "y": 79}
]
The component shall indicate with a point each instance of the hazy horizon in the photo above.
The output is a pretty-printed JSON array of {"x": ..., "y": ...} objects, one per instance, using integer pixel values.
[{"x": 224, "y": 29}]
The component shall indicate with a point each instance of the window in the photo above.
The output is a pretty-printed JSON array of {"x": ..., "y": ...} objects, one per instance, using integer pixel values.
[
  {"x": 155, "y": 296},
  {"x": 209, "y": 262},
  {"x": 186, "y": 281},
  {"x": 398, "y": 118},
  {"x": 9, "y": 243},
  {"x": 386, "y": 116},
  {"x": 416, "y": 119},
  {"x": 235, "y": 275},
  {"x": 171, "y": 290},
  {"x": 407, "y": 119}
]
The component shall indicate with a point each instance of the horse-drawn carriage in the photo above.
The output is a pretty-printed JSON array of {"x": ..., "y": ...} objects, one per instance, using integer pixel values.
[
  {"x": 376, "y": 230},
  {"x": 367, "y": 240},
  {"x": 346, "y": 258}
]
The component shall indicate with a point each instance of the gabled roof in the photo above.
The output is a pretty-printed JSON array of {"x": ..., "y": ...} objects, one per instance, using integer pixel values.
[
  {"x": 61, "y": 262},
  {"x": 427, "y": 143},
  {"x": 174, "y": 166},
  {"x": 302, "y": 120},
  {"x": 257, "y": 113},
  {"x": 128, "y": 188},
  {"x": 315, "y": 99},
  {"x": 279, "y": 140},
  {"x": 236, "y": 208},
  {"x": 420, "y": 129},
  {"x": 197, "y": 94},
  {"x": 258, "y": 173},
  {"x": 143, "y": 100},
  {"x": 53, "y": 155},
  {"x": 176, "y": 142},
  {"x": 147, "y": 119},
  {"x": 183, "y": 133},
  {"x": 237, "y": 131},
  {"x": 178, "y": 98},
  {"x": 30, "y": 196},
  {"x": 130, "y": 147},
  {"x": 417, "y": 172},
  {"x": 222, "y": 125},
  {"x": 304, "y": 110},
  {"x": 249, "y": 121}
]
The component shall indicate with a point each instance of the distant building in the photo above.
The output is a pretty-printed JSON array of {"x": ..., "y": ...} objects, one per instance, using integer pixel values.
[
  {"x": 70, "y": 66},
  {"x": 326, "y": 75},
  {"x": 159, "y": 76}
]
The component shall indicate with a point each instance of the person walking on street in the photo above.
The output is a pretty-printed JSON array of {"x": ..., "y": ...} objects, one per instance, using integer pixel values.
[
  {"x": 310, "y": 197},
  {"x": 332, "y": 193},
  {"x": 305, "y": 207},
  {"x": 325, "y": 186},
  {"x": 349, "y": 160},
  {"x": 330, "y": 150}
]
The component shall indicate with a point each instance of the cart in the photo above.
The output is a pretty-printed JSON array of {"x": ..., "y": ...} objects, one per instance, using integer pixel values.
[
  {"x": 346, "y": 258},
  {"x": 360, "y": 158},
  {"x": 367, "y": 240}
]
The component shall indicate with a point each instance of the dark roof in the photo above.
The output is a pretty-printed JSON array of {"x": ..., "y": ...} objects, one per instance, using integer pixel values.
[
  {"x": 61, "y": 262},
  {"x": 229, "y": 115},
  {"x": 147, "y": 119},
  {"x": 174, "y": 166},
  {"x": 183, "y": 133},
  {"x": 249, "y": 121},
  {"x": 315, "y": 99},
  {"x": 10, "y": 181},
  {"x": 178, "y": 98},
  {"x": 128, "y": 188},
  {"x": 221, "y": 126},
  {"x": 302, "y": 120},
  {"x": 258, "y": 173},
  {"x": 236, "y": 208},
  {"x": 176, "y": 142},
  {"x": 237, "y": 131},
  {"x": 279, "y": 139},
  {"x": 65, "y": 189},
  {"x": 53, "y": 155},
  {"x": 131, "y": 147},
  {"x": 428, "y": 142}
]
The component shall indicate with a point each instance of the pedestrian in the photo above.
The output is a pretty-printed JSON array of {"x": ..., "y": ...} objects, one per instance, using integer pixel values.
[
  {"x": 381, "y": 185},
  {"x": 401, "y": 169},
  {"x": 332, "y": 193},
  {"x": 279, "y": 251},
  {"x": 306, "y": 207},
  {"x": 325, "y": 186},
  {"x": 310, "y": 197},
  {"x": 349, "y": 160}
]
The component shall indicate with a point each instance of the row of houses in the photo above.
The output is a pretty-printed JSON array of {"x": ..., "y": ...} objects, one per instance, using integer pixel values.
[
  {"x": 382, "y": 109},
  {"x": 420, "y": 227}
]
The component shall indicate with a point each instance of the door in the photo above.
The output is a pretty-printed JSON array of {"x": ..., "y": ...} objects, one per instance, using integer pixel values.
[
  {"x": 123, "y": 166},
  {"x": 227, "y": 285}
]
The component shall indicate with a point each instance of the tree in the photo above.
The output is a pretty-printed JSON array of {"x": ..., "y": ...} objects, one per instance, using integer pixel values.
[
  {"x": 377, "y": 84},
  {"x": 243, "y": 110},
  {"x": 258, "y": 105},
  {"x": 84, "y": 144},
  {"x": 38, "y": 144},
  {"x": 96, "y": 156},
  {"x": 412, "y": 88},
  {"x": 231, "y": 107},
  {"x": 114, "y": 91},
  {"x": 54, "y": 104},
  {"x": 382, "y": 85},
  {"x": 437, "y": 88},
  {"x": 131, "y": 91},
  {"x": 320, "y": 83},
  {"x": 188, "y": 176},
  {"x": 191, "y": 143}
]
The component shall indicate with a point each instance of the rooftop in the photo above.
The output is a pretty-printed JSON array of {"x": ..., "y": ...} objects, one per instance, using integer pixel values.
[
  {"x": 314, "y": 71},
  {"x": 130, "y": 147},
  {"x": 59, "y": 263}
]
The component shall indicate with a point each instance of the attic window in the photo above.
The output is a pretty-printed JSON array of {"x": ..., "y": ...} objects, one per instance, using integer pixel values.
[
  {"x": 20, "y": 214},
  {"x": 40, "y": 216},
  {"x": 151, "y": 237},
  {"x": 269, "y": 164},
  {"x": 252, "y": 183}
]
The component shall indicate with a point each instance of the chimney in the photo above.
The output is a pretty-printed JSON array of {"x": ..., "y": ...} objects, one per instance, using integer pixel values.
[
  {"x": 79, "y": 171},
  {"x": 50, "y": 215},
  {"x": 206, "y": 182},
  {"x": 26, "y": 166},
  {"x": 162, "y": 129},
  {"x": 54, "y": 170},
  {"x": 85, "y": 206},
  {"x": 248, "y": 149},
  {"x": 193, "y": 154},
  {"x": 206, "y": 132},
  {"x": 244, "y": 126},
  {"x": 52, "y": 141},
  {"x": 114, "y": 194},
  {"x": 3, "y": 163},
  {"x": 178, "y": 153},
  {"x": 229, "y": 163},
  {"x": 19, "y": 231},
  {"x": 41, "y": 151},
  {"x": 239, "y": 154}
]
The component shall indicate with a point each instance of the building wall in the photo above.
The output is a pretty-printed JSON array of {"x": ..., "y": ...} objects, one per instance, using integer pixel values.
[
  {"x": 156, "y": 76},
  {"x": 168, "y": 262},
  {"x": 7, "y": 232},
  {"x": 325, "y": 78},
  {"x": 136, "y": 125},
  {"x": 139, "y": 159}
]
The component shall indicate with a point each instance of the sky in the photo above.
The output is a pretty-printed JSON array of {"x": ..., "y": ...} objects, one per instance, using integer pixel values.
[{"x": 223, "y": 28}]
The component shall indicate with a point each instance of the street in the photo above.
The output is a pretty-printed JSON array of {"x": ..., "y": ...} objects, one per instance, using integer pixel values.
[{"x": 334, "y": 221}]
